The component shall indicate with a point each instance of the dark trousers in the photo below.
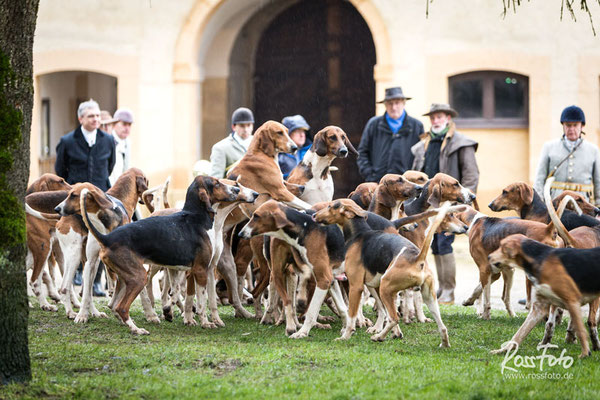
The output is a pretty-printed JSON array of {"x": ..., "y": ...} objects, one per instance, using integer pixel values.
[{"x": 442, "y": 244}]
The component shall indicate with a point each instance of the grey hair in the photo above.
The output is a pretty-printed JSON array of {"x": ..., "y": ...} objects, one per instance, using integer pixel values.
[{"x": 91, "y": 103}]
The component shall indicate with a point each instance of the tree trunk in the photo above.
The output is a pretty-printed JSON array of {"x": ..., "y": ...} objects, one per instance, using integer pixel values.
[{"x": 17, "y": 26}]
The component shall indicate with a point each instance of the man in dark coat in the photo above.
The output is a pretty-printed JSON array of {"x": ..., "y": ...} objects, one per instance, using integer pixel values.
[
  {"x": 443, "y": 149},
  {"x": 386, "y": 140},
  {"x": 86, "y": 154}
]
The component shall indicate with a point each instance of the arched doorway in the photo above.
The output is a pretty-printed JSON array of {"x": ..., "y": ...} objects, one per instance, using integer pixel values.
[{"x": 316, "y": 58}]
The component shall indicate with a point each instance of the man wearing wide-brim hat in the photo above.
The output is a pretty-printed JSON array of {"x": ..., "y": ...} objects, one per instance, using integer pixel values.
[
  {"x": 443, "y": 149},
  {"x": 386, "y": 140}
]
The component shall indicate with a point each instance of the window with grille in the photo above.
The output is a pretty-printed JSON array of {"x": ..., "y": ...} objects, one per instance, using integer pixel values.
[{"x": 490, "y": 99}]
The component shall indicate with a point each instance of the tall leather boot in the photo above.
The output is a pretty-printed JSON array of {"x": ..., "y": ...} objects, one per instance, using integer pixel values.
[
  {"x": 97, "y": 287},
  {"x": 440, "y": 274},
  {"x": 449, "y": 279}
]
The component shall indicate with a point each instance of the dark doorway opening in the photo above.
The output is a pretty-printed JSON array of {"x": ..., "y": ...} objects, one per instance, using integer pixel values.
[{"x": 316, "y": 59}]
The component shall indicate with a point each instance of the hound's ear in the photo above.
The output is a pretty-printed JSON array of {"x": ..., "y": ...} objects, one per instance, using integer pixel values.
[
  {"x": 280, "y": 221},
  {"x": 348, "y": 144},
  {"x": 205, "y": 200},
  {"x": 319, "y": 144},
  {"x": 265, "y": 143},
  {"x": 148, "y": 199},
  {"x": 44, "y": 187},
  {"x": 384, "y": 196},
  {"x": 526, "y": 194},
  {"x": 101, "y": 199},
  {"x": 435, "y": 195},
  {"x": 510, "y": 250},
  {"x": 475, "y": 205},
  {"x": 141, "y": 184}
]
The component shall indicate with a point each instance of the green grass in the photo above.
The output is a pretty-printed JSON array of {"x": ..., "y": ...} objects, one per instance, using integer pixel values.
[{"x": 101, "y": 359}]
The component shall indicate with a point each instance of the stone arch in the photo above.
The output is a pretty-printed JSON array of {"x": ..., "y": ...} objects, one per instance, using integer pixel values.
[{"x": 201, "y": 103}]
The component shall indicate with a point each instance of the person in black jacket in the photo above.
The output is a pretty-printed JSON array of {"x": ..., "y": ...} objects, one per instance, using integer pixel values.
[
  {"x": 386, "y": 140},
  {"x": 87, "y": 154}
]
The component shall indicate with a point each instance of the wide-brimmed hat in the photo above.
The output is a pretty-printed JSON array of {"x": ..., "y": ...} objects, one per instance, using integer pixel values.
[
  {"x": 394, "y": 93},
  {"x": 441, "y": 107},
  {"x": 106, "y": 118}
]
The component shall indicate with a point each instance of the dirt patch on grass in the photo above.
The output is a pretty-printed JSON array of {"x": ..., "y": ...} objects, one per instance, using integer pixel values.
[{"x": 222, "y": 367}]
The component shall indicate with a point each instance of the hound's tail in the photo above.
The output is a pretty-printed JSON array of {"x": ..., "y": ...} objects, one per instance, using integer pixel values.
[
  {"x": 555, "y": 218},
  {"x": 102, "y": 239},
  {"x": 41, "y": 215},
  {"x": 432, "y": 228}
]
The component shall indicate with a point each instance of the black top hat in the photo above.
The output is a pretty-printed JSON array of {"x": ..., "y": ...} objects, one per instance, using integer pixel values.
[
  {"x": 441, "y": 107},
  {"x": 394, "y": 93}
]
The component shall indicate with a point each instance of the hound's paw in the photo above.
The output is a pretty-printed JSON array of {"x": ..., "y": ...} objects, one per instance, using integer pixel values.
[
  {"x": 139, "y": 331},
  {"x": 267, "y": 319},
  {"x": 374, "y": 329},
  {"x": 218, "y": 322},
  {"x": 406, "y": 321},
  {"x": 208, "y": 325},
  {"x": 100, "y": 314},
  {"x": 397, "y": 335},
  {"x": 153, "y": 319},
  {"x": 81, "y": 318},
  {"x": 468, "y": 302},
  {"x": 570, "y": 337},
  {"x": 299, "y": 335},
  {"x": 501, "y": 350},
  {"x": 444, "y": 345},
  {"x": 365, "y": 323},
  {"x": 325, "y": 318},
  {"x": 190, "y": 322},
  {"x": 322, "y": 326},
  {"x": 584, "y": 355},
  {"x": 242, "y": 314},
  {"x": 71, "y": 314},
  {"x": 49, "y": 307},
  {"x": 290, "y": 332},
  {"x": 377, "y": 338}
]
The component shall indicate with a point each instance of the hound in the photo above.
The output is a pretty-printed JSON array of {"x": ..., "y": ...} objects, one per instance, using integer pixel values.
[
  {"x": 567, "y": 278},
  {"x": 181, "y": 240},
  {"x": 42, "y": 195},
  {"x": 485, "y": 234},
  {"x": 522, "y": 198},
  {"x": 583, "y": 237},
  {"x": 387, "y": 261},
  {"x": 319, "y": 248},
  {"x": 363, "y": 194},
  {"x": 112, "y": 209},
  {"x": 258, "y": 168}
]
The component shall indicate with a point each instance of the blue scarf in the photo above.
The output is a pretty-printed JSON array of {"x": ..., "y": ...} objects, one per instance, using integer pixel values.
[{"x": 395, "y": 124}]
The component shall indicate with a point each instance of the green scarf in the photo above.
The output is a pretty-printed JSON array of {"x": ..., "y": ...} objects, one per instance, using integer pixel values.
[{"x": 439, "y": 135}]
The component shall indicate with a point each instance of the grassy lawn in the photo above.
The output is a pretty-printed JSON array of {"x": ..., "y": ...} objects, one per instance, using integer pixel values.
[{"x": 248, "y": 360}]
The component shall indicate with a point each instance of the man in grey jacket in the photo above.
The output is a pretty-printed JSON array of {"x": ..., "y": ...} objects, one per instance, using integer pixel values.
[
  {"x": 229, "y": 150},
  {"x": 574, "y": 162},
  {"x": 443, "y": 149}
]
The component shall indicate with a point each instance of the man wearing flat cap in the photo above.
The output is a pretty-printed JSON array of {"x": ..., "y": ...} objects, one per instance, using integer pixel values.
[
  {"x": 443, "y": 149},
  {"x": 122, "y": 122},
  {"x": 386, "y": 140}
]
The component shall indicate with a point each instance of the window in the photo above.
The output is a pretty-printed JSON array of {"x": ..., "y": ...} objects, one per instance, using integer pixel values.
[{"x": 490, "y": 99}]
